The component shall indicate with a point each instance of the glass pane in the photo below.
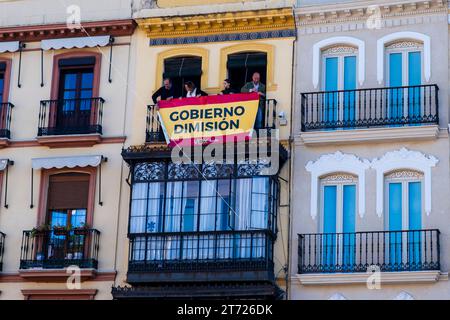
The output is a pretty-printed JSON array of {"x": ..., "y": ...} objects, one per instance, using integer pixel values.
[
  {"x": 224, "y": 205},
  {"x": 190, "y": 206},
  {"x": 331, "y": 84},
  {"x": 58, "y": 218},
  {"x": 69, "y": 95},
  {"x": 70, "y": 81},
  {"x": 154, "y": 206},
  {"x": 78, "y": 217},
  {"x": 174, "y": 206},
  {"x": 208, "y": 205},
  {"x": 1, "y": 86},
  {"x": 87, "y": 80}
]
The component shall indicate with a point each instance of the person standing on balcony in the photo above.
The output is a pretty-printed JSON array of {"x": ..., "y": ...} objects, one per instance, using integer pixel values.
[
  {"x": 166, "y": 92},
  {"x": 256, "y": 86},
  {"x": 227, "y": 89},
  {"x": 192, "y": 91}
]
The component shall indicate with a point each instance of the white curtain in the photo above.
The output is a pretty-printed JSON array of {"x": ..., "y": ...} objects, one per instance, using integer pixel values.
[
  {"x": 207, "y": 218},
  {"x": 175, "y": 203},
  {"x": 242, "y": 216},
  {"x": 138, "y": 205}
]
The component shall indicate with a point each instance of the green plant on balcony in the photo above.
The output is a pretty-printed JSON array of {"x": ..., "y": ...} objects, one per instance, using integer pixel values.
[
  {"x": 60, "y": 230},
  {"x": 39, "y": 230},
  {"x": 82, "y": 229}
]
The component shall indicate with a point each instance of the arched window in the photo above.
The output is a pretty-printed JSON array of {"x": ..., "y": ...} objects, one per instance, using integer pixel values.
[
  {"x": 182, "y": 69},
  {"x": 241, "y": 66}
]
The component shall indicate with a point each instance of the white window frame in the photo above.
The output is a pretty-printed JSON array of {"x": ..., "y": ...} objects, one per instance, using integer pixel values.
[
  {"x": 405, "y": 63},
  {"x": 419, "y": 177},
  {"x": 341, "y": 179},
  {"x": 341, "y": 57}
]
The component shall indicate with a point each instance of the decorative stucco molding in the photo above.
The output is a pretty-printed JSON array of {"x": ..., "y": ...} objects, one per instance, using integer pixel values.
[
  {"x": 403, "y": 159},
  {"x": 354, "y": 12},
  {"x": 404, "y": 296},
  {"x": 230, "y": 26},
  {"x": 337, "y": 296},
  {"x": 319, "y": 46},
  {"x": 338, "y": 162},
  {"x": 404, "y": 35}
]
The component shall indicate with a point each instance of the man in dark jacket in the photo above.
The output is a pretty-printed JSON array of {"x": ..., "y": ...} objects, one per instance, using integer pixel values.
[
  {"x": 166, "y": 92},
  {"x": 256, "y": 86}
]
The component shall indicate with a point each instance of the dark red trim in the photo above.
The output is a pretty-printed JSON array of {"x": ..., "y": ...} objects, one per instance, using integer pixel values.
[
  {"x": 217, "y": 99},
  {"x": 115, "y": 28}
]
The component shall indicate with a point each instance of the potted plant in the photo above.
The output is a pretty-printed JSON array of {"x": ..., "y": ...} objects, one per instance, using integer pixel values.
[
  {"x": 40, "y": 230},
  {"x": 81, "y": 230},
  {"x": 59, "y": 230}
]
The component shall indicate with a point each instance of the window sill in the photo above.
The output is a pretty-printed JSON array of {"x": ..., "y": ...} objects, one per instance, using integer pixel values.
[
  {"x": 70, "y": 141},
  {"x": 361, "y": 278},
  {"x": 382, "y": 134},
  {"x": 4, "y": 142}
]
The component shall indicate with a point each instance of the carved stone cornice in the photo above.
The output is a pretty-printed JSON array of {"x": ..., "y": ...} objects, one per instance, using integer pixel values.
[
  {"x": 218, "y": 23},
  {"x": 351, "y": 12},
  {"x": 114, "y": 28}
]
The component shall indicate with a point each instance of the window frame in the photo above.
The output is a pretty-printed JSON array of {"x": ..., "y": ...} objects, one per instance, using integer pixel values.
[
  {"x": 405, "y": 181},
  {"x": 341, "y": 58},
  {"x": 405, "y": 63},
  {"x": 44, "y": 189}
]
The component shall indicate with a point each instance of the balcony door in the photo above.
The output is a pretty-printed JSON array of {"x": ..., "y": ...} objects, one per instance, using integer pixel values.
[
  {"x": 74, "y": 109},
  {"x": 339, "y": 74},
  {"x": 404, "y": 204},
  {"x": 2, "y": 81},
  {"x": 338, "y": 212},
  {"x": 404, "y": 70},
  {"x": 67, "y": 209}
]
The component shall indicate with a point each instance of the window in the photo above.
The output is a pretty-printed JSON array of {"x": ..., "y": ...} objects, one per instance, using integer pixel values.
[
  {"x": 338, "y": 217},
  {"x": 2, "y": 81},
  {"x": 241, "y": 67},
  {"x": 404, "y": 69},
  {"x": 207, "y": 205},
  {"x": 76, "y": 84},
  {"x": 404, "y": 212},
  {"x": 339, "y": 73},
  {"x": 183, "y": 69},
  {"x": 67, "y": 207}
]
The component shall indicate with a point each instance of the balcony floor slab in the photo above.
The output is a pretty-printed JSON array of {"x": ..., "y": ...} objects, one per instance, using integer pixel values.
[
  {"x": 379, "y": 134},
  {"x": 430, "y": 276}
]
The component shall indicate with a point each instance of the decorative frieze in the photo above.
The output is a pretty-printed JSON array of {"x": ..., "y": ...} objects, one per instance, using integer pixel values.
[
  {"x": 343, "y": 14},
  {"x": 229, "y": 26}
]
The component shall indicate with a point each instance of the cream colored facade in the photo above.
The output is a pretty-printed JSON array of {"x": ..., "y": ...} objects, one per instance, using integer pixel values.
[
  {"x": 370, "y": 154},
  {"x": 23, "y": 145},
  {"x": 136, "y": 72}
]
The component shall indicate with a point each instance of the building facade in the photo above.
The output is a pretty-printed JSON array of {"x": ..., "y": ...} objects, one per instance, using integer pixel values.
[
  {"x": 216, "y": 229},
  {"x": 371, "y": 151},
  {"x": 63, "y": 111}
]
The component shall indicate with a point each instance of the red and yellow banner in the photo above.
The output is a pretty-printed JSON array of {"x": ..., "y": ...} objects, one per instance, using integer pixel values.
[{"x": 210, "y": 119}]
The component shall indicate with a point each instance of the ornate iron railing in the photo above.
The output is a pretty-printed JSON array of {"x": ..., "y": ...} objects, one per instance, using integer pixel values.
[
  {"x": 364, "y": 108},
  {"x": 60, "y": 248},
  {"x": 411, "y": 250},
  {"x": 70, "y": 116},
  {"x": 201, "y": 251},
  {"x": 154, "y": 132},
  {"x": 2, "y": 249}
]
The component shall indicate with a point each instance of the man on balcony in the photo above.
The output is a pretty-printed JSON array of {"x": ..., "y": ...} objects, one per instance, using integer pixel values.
[
  {"x": 256, "y": 86},
  {"x": 166, "y": 92}
]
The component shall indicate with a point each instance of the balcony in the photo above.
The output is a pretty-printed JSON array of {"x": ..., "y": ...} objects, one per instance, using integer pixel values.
[
  {"x": 2, "y": 248},
  {"x": 5, "y": 123},
  {"x": 201, "y": 256},
  {"x": 70, "y": 122},
  {"x": 386, "y": 251},
  {"x": 396, "y": 108},
  {"x": 154, "y": 132},
  {"x": 58, "y": 249}
]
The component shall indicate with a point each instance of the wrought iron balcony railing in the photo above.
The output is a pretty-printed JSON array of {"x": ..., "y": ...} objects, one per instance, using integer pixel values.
[
  {"x": 412, "y": 250},
  {"x": 60, "y": 248},
  {"x": 154, "y": 132},
  {"x": 201, "y": 251},
  {"x": 365, "y": 108},
  {"x": 2, "y": 249},
  {"x": 5, "y": 119},
  {"x": 70, "y": 116}
]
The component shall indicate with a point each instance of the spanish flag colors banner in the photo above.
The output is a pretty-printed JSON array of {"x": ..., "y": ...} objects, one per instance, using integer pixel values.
[{"x": 210, "y": 119}]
